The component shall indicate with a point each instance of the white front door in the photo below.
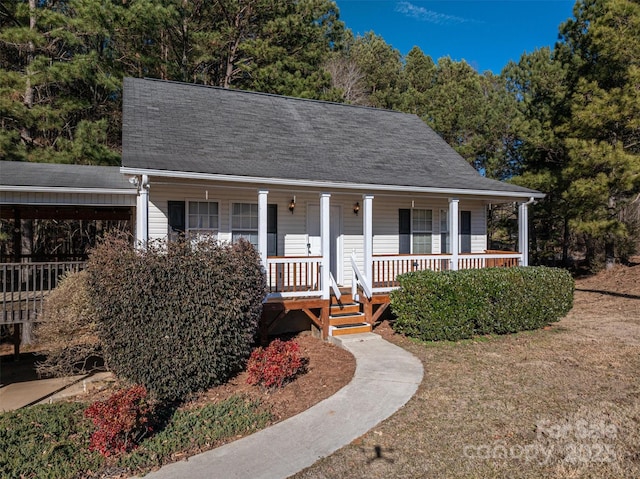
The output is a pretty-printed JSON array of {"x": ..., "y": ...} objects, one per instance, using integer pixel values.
[{"x": 314, "y": 245}]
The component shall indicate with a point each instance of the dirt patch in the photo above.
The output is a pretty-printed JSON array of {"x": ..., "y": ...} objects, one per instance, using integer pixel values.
[
  {"x": 562, "y": 402},
  {"x": 329, "y": 369}
]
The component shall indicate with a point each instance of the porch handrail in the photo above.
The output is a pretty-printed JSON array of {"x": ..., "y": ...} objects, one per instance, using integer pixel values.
[
  {"x": 334, "y": 286},
  {"x": 292, "y": 259},
  {"x": 359, "y": 278}
]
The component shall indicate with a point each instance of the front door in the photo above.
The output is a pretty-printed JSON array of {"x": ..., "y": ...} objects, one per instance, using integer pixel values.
[{"x": 314, "y": 246}]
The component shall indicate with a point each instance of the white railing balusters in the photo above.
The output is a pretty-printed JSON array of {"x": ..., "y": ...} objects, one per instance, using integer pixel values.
[
  {"x": 386, "y": 268},
  {"x": 292, "y": 276}
]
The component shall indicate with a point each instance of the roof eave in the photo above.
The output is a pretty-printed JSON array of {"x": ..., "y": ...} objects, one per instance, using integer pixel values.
[
  {"x": 62, "y": 189},
  {"x": 452, "y": 192}
]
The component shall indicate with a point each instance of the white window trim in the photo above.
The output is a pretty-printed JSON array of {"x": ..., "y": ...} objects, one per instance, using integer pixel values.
[
  {"x": 413, "y": 231},
  {"x": 204, "y": 231},
  {"x": 231, "y": 228}
]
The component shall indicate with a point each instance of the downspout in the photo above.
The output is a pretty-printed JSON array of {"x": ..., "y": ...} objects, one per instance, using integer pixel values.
[
  {"x": 523, "y": 230},
  {"x": 142, "y": 210}
]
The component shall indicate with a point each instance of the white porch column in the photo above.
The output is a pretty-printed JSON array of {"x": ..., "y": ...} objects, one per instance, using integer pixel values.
[
  {"x": 325, "y": 241},
  {"x": 367, "y": 230},
  {"x": 142, "y": 211},
  {"x": 262, "y": 226},
  {"x": 523, "y": 232},
  {"x": 454, "y": 228}
]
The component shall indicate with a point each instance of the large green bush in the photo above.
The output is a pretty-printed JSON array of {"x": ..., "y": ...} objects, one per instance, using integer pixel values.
[
  {"x": 177, "y": 318},
  {"x": 452, "y": 305}
]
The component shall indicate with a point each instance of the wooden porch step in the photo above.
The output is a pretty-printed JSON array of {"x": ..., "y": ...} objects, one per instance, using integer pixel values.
[
  {"x": 344, "y": 308},
  {"x": 346, "y": 318},
  {"x": 353, "y": 328}
]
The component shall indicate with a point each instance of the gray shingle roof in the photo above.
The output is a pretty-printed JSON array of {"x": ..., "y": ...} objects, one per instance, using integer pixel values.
[
  {"x": 52, "y": 175},
  {"x": 185, "y": 127}
]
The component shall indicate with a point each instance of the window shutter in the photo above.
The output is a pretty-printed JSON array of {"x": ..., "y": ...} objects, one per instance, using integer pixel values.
[
  {"x": 176, "y": 220},
  {"x": 404, "y": 231},
  {"x": 465, "y": 231},
  {"x": 272, "y": 230}
]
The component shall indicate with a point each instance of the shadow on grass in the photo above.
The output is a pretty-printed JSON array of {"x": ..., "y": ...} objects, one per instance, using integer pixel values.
[{"x": 609, "y": 293}]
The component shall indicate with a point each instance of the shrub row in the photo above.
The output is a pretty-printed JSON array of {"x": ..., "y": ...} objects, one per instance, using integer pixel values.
[
  {"x": 176, "y": 318},
  {"x": 452, "y": 305}
]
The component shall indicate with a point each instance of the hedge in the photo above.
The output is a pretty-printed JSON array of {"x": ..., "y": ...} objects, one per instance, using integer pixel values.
[
  {"x": 176, "y": 318},
  {"x": 453, "y": 305}
]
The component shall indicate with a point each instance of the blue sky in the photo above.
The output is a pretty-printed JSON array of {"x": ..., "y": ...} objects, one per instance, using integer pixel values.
[{"x": 485, "y": 33}]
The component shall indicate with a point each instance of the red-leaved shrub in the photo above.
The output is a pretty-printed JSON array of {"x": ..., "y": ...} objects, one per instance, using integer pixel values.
[
  {"x": 275, "y": 365},
  {"x": 122, "y": 421}
]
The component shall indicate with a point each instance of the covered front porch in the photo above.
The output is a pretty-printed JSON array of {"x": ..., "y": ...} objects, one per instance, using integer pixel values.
[
  {"x": 307, "y": 284},
  {"x": 367, "y": 272}
]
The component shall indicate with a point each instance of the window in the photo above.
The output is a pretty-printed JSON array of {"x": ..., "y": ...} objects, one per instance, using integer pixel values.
[
  {"x": 244, "y": 222},
  {"x": 203, "y": 217},
  {"x": 445, "y": 244},
  {"x": 415, "y": 231},
  {"x": 421, "y": 229}
]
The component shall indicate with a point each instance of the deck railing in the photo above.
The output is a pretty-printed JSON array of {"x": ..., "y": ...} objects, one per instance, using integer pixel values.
[
  {"x": 291, "y": 276},
  {"x": 24, "y": 286},
  {"x": 386, "y": 268},
  {"x": 490, "y": 259}
]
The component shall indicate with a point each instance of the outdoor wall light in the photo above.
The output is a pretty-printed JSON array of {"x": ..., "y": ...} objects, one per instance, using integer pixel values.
[
  {"x": 356, "y": 208},
  {"x": 292, "y": 204}
]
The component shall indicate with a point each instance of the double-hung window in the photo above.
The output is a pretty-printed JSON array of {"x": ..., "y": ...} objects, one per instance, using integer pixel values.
[
  {"x": 416, "y": 231},
  {"x": 244, "y": 222},
  {"x": 421, "y": 231},
  {"x": 203, "y": 218}
]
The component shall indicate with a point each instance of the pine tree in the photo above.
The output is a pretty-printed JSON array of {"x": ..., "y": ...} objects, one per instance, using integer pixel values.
[{"x": 601, "y": 47}]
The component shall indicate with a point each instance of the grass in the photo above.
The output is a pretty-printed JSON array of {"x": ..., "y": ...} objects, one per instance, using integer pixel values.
[
  {"x": 561, "y": 402},
  {"x": 51, "y": 441},
  {"x": 48, "y": 441}
]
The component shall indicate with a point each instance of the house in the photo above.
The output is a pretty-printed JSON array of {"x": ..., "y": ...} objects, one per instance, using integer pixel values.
[{"x": 339, "y": 200}]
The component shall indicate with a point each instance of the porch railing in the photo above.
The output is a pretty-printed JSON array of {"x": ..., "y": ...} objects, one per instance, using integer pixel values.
[
  {"x": 386, "y": 268},
  {"x": 291, "y": 276},
  {"x": 490, "y": 259},
  {"x": 24, "y": 287}
]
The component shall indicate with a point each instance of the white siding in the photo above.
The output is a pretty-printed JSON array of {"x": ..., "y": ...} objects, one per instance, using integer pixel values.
[{"x": 385, "y": 221}]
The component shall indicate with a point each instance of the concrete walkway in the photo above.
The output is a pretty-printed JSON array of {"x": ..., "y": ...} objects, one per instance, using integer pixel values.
[
  {"x": 386, "y": 378},
  {"x": 20, "y": 394}
]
